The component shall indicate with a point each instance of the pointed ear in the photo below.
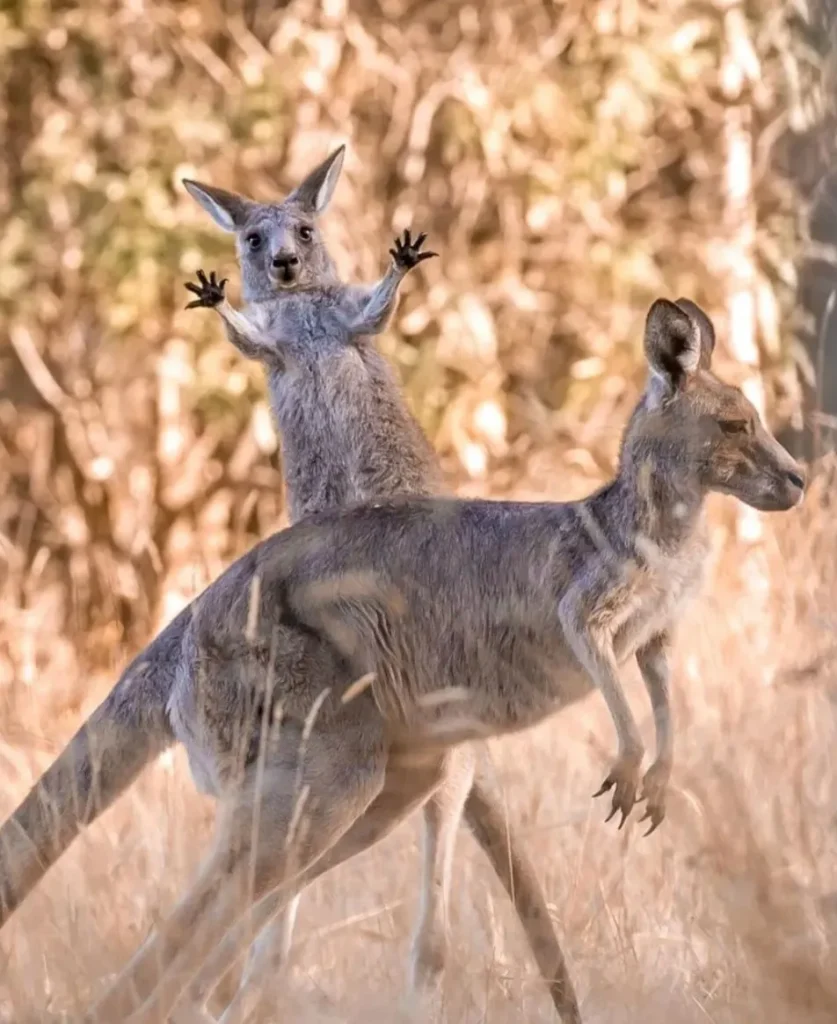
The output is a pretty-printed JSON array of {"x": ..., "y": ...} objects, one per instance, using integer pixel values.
[
  {"x": 705, "y": 329},
  {"x": 316, "y": 191},
  {"x": 228, "y": 210},
  {"x": 672, "y": 342}
]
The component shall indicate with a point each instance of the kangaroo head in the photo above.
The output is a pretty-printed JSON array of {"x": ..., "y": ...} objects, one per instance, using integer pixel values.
[
  {"x": 279, "y": 245},
  {"x": 691, "y": 424}
]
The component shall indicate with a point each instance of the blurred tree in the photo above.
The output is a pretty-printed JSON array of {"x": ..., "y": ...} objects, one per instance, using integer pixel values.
[{"x": 810, "y": 162}]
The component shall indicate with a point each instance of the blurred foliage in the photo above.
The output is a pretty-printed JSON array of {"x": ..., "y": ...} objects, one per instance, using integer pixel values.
[
  {"x": 807, "y": 159},
  {"x": 565, "y": 156}
]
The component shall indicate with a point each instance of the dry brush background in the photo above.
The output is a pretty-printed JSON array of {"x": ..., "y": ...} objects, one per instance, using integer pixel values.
[{"x": 571, "y": 160}]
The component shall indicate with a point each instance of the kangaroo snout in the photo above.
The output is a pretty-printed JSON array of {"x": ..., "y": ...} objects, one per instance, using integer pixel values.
[
  {"x": 284, "y": 267},
  {"x": 794, "y": 483},
  {"x": 786, "y": 479}
]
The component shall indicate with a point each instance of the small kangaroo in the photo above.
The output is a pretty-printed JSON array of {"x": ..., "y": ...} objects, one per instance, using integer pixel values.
[
  {"x": 347, "y": 436},
  {"x": 516, "y": 608}
]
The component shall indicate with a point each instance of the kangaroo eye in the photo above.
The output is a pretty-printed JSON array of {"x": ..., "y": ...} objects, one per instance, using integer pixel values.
[
  {"x": 254, "y": 241},
  {"x": 306, "y": 233},
  {"x": 735, "y": 428}
]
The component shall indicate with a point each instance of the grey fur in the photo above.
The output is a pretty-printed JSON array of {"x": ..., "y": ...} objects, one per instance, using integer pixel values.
[
  {"x": 348, "y": 436},
  {"x": 518, "y": 609}
]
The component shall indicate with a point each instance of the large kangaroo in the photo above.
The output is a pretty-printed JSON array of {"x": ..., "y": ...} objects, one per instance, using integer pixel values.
[
  {"x": 516, "y": 609},
  {"x": 347, "y": 436}
]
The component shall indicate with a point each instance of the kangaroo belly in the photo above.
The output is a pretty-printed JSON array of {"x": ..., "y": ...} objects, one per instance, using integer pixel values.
[
  {"x": 496, "y": 681},
  {"x": 187, "y": 715}
]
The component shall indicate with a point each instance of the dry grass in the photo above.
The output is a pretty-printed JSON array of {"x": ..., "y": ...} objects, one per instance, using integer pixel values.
[{"x": 722, "y": 916}]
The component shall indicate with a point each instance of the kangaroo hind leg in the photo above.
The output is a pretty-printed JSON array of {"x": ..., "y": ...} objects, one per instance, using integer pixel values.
[{"x": 270, "y": 829}]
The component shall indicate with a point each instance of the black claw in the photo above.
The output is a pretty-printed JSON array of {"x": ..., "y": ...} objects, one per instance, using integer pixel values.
[
  {"x": 191, "y": 287},
  {"x": 655, "y": 815},
  {"x": 419, "y": 242},
  {"x": 202, "y": 278},
  {"x": 607, "y": 785}
]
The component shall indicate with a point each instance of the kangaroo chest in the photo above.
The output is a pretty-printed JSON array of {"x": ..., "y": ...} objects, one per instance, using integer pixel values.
[
  {"x": 652, "y": 593},
  {"x": 345, "y": 436},
  {"x": 317, "y": 462}
]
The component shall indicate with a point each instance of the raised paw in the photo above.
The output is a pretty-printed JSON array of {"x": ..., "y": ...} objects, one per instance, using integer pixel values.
[
  {"x": 407, "y": 253},
  {"x": 654, "y": 787},
  {"x": 209, "y": 290},
  {"x": 624, "y": 781}
]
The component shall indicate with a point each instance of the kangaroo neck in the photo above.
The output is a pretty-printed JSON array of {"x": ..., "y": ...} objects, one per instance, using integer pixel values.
[{"x": 663, "y": 504}]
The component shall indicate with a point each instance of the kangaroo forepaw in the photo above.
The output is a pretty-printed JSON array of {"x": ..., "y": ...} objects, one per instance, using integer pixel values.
[
  {"x": 624, "y": 781},
  {"x": 407, "y": 253},
  {"x": 654, "y": 787},
  {"x": 209, "y": 290}
]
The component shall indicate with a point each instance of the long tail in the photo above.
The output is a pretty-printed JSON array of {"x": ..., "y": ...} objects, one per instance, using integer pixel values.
[
  {"x": 518, "y": 876},
  {"x": 127, "y": 731}
]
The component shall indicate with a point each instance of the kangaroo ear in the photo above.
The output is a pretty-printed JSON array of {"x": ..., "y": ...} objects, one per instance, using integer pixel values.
[
  {"x": 228, "y": 210},
  {"x": 705, "y": 329},
  {"x": 316, "y": 190},
  {"x": 672, "y": 342}
]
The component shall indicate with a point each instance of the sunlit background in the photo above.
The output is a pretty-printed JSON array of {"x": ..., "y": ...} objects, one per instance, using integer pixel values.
[{"x": 571, "y": 160}]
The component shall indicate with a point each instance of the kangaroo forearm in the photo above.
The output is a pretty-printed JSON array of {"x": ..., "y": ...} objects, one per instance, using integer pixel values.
[
  {"x": 630, "y": 741},
  {"x": 601, "y": 667},
  {"x": 653, "y": 665},
  {"x": 377, "y": 310},
  {"x": 100, "y": 762},
  {"x": 244, "y": 333},
  {"x": 593, "y": 647},
  {"x": 518, "y": 877}
]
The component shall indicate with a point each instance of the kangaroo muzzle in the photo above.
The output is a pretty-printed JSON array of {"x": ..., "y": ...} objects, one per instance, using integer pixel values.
[
  {"x": 782, "y": 479},
  {"x": 284, "y": 269},
  {"x": 793, "y": 484}
]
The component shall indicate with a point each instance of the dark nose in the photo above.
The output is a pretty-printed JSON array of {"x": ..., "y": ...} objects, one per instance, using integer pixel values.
[
  {"x": 796, "y": 478},
  {"x": 285, "y": 261}
]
